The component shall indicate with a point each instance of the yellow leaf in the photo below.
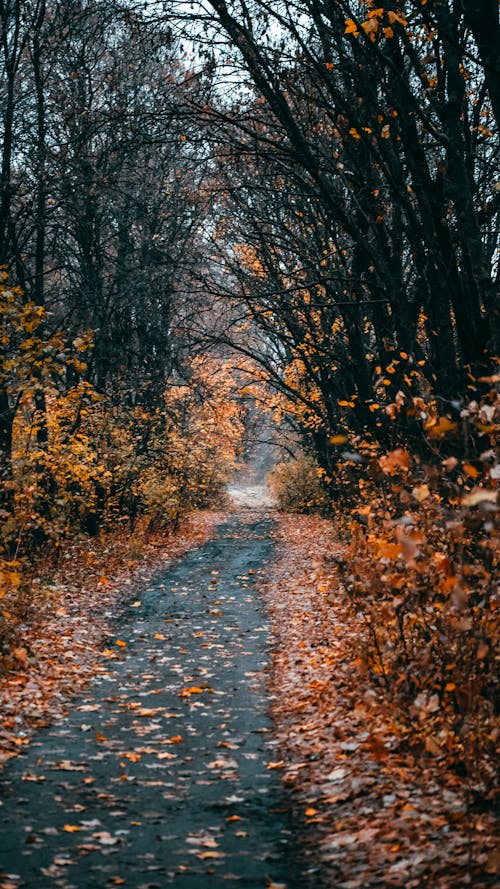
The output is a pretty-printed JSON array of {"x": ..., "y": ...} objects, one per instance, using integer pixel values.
[
  {"x": 351, "y": 27},
  {"x": 13, "y": 577},
  {"x": 71, "y": 828},
  {"x": 121, "y": 643},
  {"x": 439, "y": 428}
]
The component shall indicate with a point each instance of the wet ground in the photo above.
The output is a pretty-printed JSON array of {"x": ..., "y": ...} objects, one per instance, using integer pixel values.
[{"x": 159, "y": 776}]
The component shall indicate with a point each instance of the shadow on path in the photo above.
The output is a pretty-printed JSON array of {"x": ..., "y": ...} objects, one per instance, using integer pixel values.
[{"x": 159, "y": 775}]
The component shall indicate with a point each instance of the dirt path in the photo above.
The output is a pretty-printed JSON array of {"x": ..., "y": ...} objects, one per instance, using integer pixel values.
[{"x": 159, "y": 776}]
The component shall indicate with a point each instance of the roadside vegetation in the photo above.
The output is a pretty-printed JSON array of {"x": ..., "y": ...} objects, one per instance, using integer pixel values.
[{"x": 215, "y": 214}]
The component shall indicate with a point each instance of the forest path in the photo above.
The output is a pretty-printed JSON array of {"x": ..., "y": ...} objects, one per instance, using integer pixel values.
[{"x": 158, "y": 776}]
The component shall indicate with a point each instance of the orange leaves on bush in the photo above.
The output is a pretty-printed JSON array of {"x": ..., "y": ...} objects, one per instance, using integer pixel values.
[
  {"x": 438, "y": 427},
  {"x": 421, "y": 493},
  {"x": 21, "y": 655},
  {"x": 351, "y": 27},
  {"x": 399, "y": 460},
  {"x": 396, "y": 17},
  {"x": 388, "y": 550}
]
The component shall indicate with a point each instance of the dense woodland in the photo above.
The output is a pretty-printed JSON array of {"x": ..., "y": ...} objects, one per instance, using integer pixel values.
[{"x": 212, "y": 211}]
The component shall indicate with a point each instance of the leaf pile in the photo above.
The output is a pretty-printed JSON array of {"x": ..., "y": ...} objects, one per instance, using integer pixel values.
[{"x": 381, "y": 811}]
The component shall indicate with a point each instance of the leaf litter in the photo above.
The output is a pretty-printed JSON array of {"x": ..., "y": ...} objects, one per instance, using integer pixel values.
[
  {"x": 170, "y": 769},
  {"x": 374, "y": 812}
]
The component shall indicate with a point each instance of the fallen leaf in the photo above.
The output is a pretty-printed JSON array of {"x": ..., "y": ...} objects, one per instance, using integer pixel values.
[
  {"x": 204, "y": 855},
  {"x": 105, "y": 838},
  {"x": 65, "y": 765}
]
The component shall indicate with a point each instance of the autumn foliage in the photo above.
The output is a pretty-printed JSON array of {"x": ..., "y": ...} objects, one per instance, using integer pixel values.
[
  {"x": 420, "y": 566},
  {"x": 329, "y": 224},
  {"x": 87, "y": 462}
]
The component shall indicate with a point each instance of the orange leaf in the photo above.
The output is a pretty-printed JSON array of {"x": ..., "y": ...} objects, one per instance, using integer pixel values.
[
  {"x": 396, "y": 17},
  {"x": 351, "y": 27},
  {"x": 203, "y": 855},
  {"x": 470, "y": 470},
  {"x": 439, "y": 428}
]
